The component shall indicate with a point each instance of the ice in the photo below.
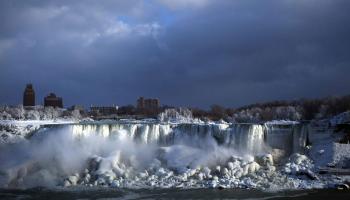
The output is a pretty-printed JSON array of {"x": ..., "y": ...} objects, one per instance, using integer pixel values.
[
  {"x": 340, "y": 119},
  {"x": 144, "y": 154},
  {"x": 298, "y": 164},
  {"x": 180, "y": 115},
  {"x": 14, "y": 131},
  {"x": 281, "y": 122}
]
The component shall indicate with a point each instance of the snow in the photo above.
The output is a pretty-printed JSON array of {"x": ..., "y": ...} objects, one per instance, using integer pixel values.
[
  {"x": 256, "y": 114},
  {"x": 179, "y": 115},
  {"x": 341, "y": 156},
  {"x": 298, "y": 164},
  {"x": 340, "y": 119},
  {"x": 149, "y": 154},
  {"x": 281, "y": 122},
  {"x": 38, "y": 122},
  {"x": 325, "y": 151},
  {"x": 14, "y": 131}
]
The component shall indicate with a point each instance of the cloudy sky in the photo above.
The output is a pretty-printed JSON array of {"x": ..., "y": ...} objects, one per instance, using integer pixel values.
[{"x": 185, "y": 52}]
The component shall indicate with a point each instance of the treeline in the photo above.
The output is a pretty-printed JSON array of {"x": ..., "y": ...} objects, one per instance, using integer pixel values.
[
  {"x": 37, "y": 113},
  {"x": 296, "y": 110},
  {"x": 131, "y": 110},
  {"x": 216, "y": 112},
  {"x": 302, "y": 109}
]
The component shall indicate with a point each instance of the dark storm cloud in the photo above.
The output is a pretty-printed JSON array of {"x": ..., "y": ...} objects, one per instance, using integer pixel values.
[{"x": 187, "y": 52}]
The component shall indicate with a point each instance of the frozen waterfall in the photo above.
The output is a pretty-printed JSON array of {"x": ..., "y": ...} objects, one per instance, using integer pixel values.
[
  {"x": 245, "y": 138},
  {"x": 130, "y": 153}
]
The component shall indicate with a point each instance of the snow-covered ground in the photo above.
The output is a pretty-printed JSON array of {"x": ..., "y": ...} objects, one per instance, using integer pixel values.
[
  {"x": 329, "y": 153},
  {"x": 340, "y": 119}
]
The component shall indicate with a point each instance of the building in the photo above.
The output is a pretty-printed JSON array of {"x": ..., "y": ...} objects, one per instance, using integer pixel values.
[
  {"x": 53, "y": 100},
  {"x": 29, "y": 96},
  {"x": 147, "y": 104},
  {"x": 104, "y": 110}
]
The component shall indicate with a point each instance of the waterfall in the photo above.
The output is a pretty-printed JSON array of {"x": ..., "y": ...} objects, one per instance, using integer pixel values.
[
  {"x": 241, "y": 137},
  {"x": 144, "y": 133},
  {"x": 279, "y": 137},
  {"x": 126, "y": 149},
  {"x": 291, "y": 137},
  {"x": 245, "y": 138},
  {"x": 300, "y": 137}
]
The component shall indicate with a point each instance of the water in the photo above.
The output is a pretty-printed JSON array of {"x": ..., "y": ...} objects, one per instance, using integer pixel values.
[
  {"x": 247, "y": 138},
  {"x": 154, "y": 155},
  {"x": 104, "y": 193}
]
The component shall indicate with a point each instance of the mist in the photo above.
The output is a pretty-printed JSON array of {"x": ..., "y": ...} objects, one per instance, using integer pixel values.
[{"x": 53, "y": 154}]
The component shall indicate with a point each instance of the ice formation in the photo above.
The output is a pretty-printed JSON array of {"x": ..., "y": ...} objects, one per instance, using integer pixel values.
[
  {"x": 13, "y": 131},
  {"x": 136, "y": 154},
  {"x": 179, "y": 115}
]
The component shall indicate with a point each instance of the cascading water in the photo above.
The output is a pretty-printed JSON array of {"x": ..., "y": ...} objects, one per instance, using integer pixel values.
[
  {"x": 291, "y": 138},
  {"x": 125, "y": 154},
  {"x": 245, "y": 138},
  {"x": 144, "y": 133},
  {"x": 300, "y": 137}
]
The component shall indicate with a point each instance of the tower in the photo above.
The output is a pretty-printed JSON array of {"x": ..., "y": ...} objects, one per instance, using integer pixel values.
[{"x": 29, "y": 96}]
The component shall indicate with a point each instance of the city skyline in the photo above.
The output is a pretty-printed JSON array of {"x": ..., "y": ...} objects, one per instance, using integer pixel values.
[
  {"x": 51, "y": 99},
  {"x": 142, "y": 103}
]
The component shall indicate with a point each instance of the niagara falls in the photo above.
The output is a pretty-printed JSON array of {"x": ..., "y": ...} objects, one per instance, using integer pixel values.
[
  {"x": 174, "y": 99},
  {"x": 172, "y": 151}
]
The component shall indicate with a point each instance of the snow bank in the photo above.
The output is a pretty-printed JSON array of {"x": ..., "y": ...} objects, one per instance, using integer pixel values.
[
  {"x": 325, "y": 150},
  {"x": 14, "y": 131}
]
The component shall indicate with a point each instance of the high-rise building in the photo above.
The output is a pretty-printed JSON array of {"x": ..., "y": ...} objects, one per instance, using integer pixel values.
[
  {"x": 29, "y": 96},
  {"x": 149, "y": 104},
  {"x": 53, "y": 100}
]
